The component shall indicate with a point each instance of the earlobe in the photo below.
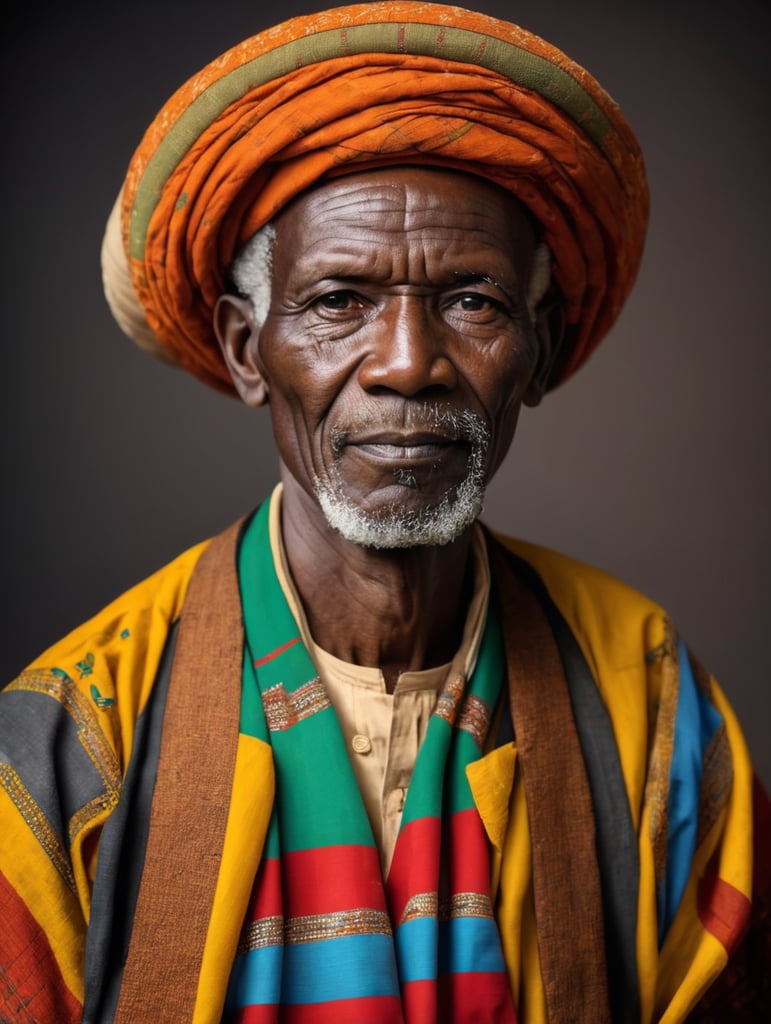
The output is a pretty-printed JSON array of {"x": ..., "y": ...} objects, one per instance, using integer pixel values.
[
  {"x": 238, "y": 337},
  {"x": 549, "y": 328}
]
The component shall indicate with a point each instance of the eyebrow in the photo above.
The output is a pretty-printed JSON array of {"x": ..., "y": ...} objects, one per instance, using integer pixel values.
[{"x": 472, "y": 277}]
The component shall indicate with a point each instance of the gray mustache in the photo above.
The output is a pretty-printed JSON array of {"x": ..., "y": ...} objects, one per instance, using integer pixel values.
[{"x": 454, "y": 424}]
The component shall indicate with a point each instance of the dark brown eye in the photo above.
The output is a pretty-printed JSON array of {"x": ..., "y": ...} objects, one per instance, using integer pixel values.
[
  {"x": 477, "y": 304},
  {"x": 337, "y": 300},
  {"x": 471, "y": 303}
]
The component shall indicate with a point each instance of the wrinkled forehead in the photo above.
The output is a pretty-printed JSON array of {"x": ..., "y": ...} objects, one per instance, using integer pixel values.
[
  {"x": 387, "y": 207},
  {"x": 413, "y": 190}
]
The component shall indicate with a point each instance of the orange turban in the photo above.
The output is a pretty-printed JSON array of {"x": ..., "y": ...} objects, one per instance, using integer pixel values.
[{"x": 370, "y": 85}]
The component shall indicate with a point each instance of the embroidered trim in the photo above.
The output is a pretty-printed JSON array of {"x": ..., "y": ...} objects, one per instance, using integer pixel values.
[
  {"x": 273, "y": 931},
  {"x": 466, "y": 904},
  {"x": 474, "y": 719},
  {"x": 105, "y": 802},
  {"x": 62, "y": 689},
  {"x": 461, "y": 904},
  {"x": 657, "y": 787},
  {"x": 423, "y": 904},
  {"x": 449, "y": 699},
  {"x": 267, "y": 931},
  {"x": 317, "y": 927},
  {"x": 283, "y": 710},
  {"x": 37, "y": 822}
]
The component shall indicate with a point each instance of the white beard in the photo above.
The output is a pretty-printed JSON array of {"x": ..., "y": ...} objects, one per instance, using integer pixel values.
[{"x": 404, "y": 528}]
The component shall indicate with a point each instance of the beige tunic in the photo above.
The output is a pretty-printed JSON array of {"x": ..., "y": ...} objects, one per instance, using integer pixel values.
[{"x": 383, "y": 731}]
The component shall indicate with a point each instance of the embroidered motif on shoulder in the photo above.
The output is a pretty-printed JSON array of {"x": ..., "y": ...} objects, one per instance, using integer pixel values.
[
  {"x": 86, "y": 666},
  {"x": 100, "y": 701},
  {"x": 283, "y": 710}
]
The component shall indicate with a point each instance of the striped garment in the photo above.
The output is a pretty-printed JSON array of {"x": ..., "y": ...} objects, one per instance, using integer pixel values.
[
  {"x": 125, "y": 885},
  {"x": 326, "y": 938}
]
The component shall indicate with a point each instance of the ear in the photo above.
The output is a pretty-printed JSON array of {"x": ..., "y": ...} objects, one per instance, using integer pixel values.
[
  {"x": 549, "y": 329},
  {"x": 238, "y": 337}
]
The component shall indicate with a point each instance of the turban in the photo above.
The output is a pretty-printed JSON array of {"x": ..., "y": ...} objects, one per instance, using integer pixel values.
[{"x": 361, "y": 87}]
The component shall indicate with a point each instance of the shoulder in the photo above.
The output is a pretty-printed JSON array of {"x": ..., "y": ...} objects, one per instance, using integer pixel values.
[
  {"x": 611, "y": 620},
  {"x": 106, "y": 666},
  {"x": 159, "y": 596}
]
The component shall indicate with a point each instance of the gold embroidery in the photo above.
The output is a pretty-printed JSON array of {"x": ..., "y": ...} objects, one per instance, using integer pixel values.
[
  {"x": 466, "y": 904},
  {"x": 657, "y": 787},
  {"x": 317, "y": 927},
  {"x": 461, "y": 904},
  {"x": 474, "y": 718},
  {"x": 424, "y": 904},
  {"x": 63, "y": 690},
  {"x": 283, "y": 710},
  {"x": 268, "y": 931},
  {"x": 470, "y": 714},
  {"x": 449, "y": 699},
  {"x": 103, "y": 802},
  {"x": 273, "y": 931},
  {"x": 38, "y": 823}
]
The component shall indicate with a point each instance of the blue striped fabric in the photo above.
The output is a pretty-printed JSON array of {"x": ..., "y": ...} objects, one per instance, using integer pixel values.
[
  {"x": 461, "y": 941},
  {"x": 696, "y": 723}
]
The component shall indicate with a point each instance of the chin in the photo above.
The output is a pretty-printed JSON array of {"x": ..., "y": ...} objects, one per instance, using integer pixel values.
[{"x": 398, "y": 527}]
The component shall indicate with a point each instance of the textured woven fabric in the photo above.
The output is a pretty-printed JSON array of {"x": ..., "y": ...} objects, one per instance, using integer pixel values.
[
  {"x": 325, "y": 934},
  {"x": 77, "y": 711},
  {"x": 365, "y": 86}
]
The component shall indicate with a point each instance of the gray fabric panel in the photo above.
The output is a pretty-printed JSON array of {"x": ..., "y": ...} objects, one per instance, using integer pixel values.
[
  {"x": 40, "y": 739},
  {"x": 121, "y": 857}
]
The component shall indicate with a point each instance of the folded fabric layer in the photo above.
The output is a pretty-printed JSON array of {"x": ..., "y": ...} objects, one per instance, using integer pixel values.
[{"x": 367, "y": 86}]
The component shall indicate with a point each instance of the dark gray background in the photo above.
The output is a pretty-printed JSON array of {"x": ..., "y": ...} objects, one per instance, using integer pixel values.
[{"x": 652, "y": 464}]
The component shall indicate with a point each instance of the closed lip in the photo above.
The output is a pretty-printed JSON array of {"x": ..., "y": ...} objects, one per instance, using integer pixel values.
[{"x": 394, "y": 445}]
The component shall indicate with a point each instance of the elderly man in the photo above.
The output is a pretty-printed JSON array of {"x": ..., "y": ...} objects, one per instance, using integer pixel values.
[{"x": 357, "y": 759}]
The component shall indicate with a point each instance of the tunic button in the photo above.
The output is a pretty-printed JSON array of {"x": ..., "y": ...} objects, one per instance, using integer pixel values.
[{"x": 361, "y": 744}]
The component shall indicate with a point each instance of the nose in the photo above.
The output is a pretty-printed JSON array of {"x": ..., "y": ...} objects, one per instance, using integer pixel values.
[{"x": 408, "y": 352}]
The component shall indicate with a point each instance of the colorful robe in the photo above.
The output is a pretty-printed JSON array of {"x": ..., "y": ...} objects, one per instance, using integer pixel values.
[{"x": 671, "y": 785}]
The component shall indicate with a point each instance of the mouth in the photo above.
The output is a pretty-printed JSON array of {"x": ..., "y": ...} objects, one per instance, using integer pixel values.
[{"x": 405, "y": 447}]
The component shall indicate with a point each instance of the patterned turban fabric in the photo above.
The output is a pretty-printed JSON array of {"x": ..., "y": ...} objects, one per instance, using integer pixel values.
[{"x": 360, "y": 87}]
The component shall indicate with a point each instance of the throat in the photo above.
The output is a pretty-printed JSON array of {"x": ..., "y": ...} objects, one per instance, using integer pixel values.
[{"x": 400, "y": 610}]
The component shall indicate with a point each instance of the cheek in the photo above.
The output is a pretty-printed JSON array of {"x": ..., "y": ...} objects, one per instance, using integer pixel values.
[
  {"x": 302, "y": 395},
  {"x": 500, "y": 387},
  {"x": 500, "y": 379}
]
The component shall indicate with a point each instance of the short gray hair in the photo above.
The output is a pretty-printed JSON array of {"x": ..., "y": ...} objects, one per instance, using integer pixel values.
[{"x": 252, "y": 272}]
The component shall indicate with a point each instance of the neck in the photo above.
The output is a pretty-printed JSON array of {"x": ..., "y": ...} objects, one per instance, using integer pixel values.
[{"x": 396, "y": 610}]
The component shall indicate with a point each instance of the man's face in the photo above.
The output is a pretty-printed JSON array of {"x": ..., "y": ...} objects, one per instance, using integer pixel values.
[{"x": 398, "y": 349}]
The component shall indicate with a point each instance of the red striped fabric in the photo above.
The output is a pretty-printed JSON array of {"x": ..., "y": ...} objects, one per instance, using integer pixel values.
[
  {"x": 26, "y": 957},
  {"x": 343, "y": 1011}
]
